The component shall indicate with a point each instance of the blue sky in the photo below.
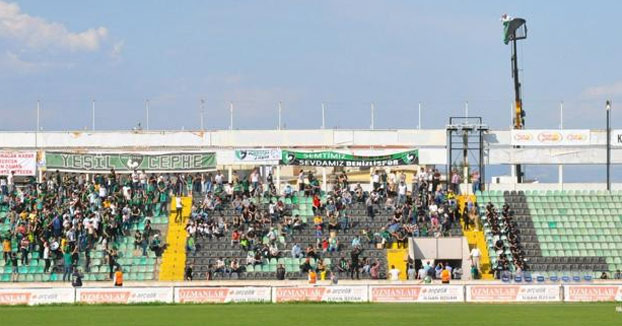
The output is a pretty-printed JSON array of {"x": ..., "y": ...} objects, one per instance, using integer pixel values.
[{"x": 344, "y": 53}]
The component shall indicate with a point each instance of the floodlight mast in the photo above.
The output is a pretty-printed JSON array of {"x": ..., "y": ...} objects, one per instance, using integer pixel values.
[{"x": 516, "y": 29}]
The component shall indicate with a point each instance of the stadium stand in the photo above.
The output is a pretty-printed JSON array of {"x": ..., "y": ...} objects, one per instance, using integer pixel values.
[
  {"x": 562, "y": 232},
  {"x": 94, "y": 225},
  {"x": 256, "y": 231}
]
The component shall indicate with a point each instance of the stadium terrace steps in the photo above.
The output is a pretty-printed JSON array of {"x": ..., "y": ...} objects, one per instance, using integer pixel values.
[
  {"x": 398, "y": 258},
  {"x": 174, "y": 257},
  {"x": 475, "y": 238}
]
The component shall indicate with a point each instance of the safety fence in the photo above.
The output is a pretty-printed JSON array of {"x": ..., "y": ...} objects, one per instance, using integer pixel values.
[{"x": 336, "y": 293}]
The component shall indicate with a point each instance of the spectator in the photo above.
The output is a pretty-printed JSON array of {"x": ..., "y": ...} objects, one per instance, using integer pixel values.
[
  {"x": 178, "y": 209},
  {"x": 6, "y": 250},
  {"x": 14, "y": 270},
  {"x": 118, "y": 277},
  {"x": 475, "y": 257},
  {"x": 354, "y": 265},
  {"x": 297, "y": 251},
  {"x": 312, "y": 276},
  {"x": 394, "y": 273},
  {"x": 188, "y": 272},
  {"x": 445, "y": 275},
  {"x": 280, "y": 272},
  {"x": 457, "y": 273},
  {"x": 67, "y": 264},
  {"x": 77, "y": 278}
]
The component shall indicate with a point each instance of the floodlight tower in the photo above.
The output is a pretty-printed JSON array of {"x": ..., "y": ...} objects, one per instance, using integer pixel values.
[{"x": 516, "y": 29}]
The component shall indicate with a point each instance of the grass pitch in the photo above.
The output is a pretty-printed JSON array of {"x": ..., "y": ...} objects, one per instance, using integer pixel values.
[{"x": 316, "y": 314}]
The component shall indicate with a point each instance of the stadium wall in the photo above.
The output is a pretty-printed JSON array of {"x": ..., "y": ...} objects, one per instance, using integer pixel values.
[{"x": 405, "y": 293}]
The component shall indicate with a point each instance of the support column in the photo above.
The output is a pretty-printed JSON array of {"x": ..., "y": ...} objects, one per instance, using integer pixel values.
[
  {"x": 278, "y": 179},
  {"x": 230, "y": 174},
  {"x": 560, "y": 176}
]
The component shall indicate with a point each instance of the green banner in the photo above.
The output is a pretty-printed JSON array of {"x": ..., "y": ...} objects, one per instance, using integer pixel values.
[
  {"x": 348, "y": 160},
  {"x": 126, "y": 162}
]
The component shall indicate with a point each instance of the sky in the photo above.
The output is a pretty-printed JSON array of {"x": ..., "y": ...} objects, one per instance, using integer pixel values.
[{"x": 346, "y": 54}]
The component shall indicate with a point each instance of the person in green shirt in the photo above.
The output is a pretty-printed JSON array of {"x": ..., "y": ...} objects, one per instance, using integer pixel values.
[{"x": 67, "y": 264}]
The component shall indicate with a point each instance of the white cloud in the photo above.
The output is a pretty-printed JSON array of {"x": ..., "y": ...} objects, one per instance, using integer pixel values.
[
  {"x": 613, "y": 90},
  {"x": 38, "y": 33}
]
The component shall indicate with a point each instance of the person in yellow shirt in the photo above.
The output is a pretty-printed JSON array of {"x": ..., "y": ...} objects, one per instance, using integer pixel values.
[
  {"x": 317, "y": 220},
  {"x": 6, "y": 250}
]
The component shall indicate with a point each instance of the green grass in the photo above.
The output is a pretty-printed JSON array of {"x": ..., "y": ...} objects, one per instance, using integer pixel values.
[{"x": 591, "y": 314}]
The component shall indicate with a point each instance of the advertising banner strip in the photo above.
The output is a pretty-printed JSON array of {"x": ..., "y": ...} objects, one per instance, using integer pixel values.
[
  {"x": 127, "y": 162},
  {"x": 616, "y": 138},
  {"x": 513, "y": 293},
  {"x": 22, "y": 163},
  {"x": 222, "y": 294},
  {"x": 416, "y": 293},
  {"x": 320, "y": 293},
  {"x": 550, "y": 137},
  {"x": 36, "y": 296},
  {"x": 124, "y": 295},
  {"x": 591, "y": 293},
  {"x": 348, "y": 160},
  {"x": 257, "y": 155}
]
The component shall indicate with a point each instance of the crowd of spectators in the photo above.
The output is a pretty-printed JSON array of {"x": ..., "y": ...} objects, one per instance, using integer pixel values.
[
  {"x": 66, "y": 217},
  {"x": 506, "y": 240},
  {"x": 262, "y": 224}
]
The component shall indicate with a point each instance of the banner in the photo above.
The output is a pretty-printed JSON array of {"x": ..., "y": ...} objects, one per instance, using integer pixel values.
[
  {"x": 257, "y": 155},
  {"x": 222, "y": 295},
  {"x": 36, "y": 296},
  {"x": 616, "y": 138},
  {"x": 320, "y": 293},
  {"x": 417, "y": 293},
  {"x": 127, "y": 162},
  {"x": 124, "y": 295},
  {"x": 550, "y": 137},
  {"x": 574, "y": 293},
  {"x": 348, "y": 160},
  {"x": 22, "y": 163},
  {"x": 511, "y": 293}
]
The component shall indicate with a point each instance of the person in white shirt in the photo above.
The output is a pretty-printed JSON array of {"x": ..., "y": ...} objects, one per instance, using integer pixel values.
[
  {"x": 255, "y": 179},
  {"x": 219, "y": 178},
  {"x": 394, "y": 273},
  {"x": 142, "y": 176},
  {"x": 375, "y": 179},
  {"x": 102, "y": 192},
  {"x": 10, "y": 181},
  {"x": 3, "y": 186},
  {"x": 475, "y": 255},
  {"x": 401, "y": 193},
  {"x": 301, "y": 181},
  {"x": 178, "y": 209},
  {"x": 135, "y": 178},
  {"x": 46, "y": 256}
]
